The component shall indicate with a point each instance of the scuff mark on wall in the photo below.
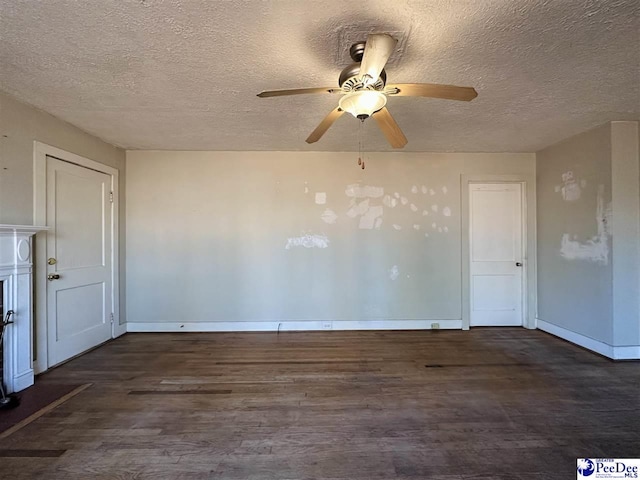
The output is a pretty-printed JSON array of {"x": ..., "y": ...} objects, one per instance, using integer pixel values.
[
  {"x": 329, "y": 216},
  {"x": 394, "y": 273},
  {"x": 321, "y": 198},
  {"x": 597, "y": 248},
  {"x": 570, "y": 188},
  {"x": 389, "y": 201},
  {"x": 307, "y": 241},
  {"x": 362, "y": 204},
  {"x": 361, "y": 191},
  {"x": 370, "y": 215},
  {"x": 367, "y": 221},
  {"x": 359, "y": 209}
]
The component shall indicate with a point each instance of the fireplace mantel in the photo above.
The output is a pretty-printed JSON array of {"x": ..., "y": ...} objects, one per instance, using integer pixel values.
[
  {"x": 16, "y": 273},
  {"x": 28, "y": 229}
]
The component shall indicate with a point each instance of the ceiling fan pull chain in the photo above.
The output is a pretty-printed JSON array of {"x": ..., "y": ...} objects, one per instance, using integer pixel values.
[{"x": 360, "y": 144}]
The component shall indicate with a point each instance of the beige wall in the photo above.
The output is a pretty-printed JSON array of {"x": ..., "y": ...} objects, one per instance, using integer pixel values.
[
  {"x": 575, "y": 292},
  {"x": 588, "y": 238},
  {"x": 20, "y": 126},
  {"x": 207, "y": 236},
  {"x": 625, "y": 173}
]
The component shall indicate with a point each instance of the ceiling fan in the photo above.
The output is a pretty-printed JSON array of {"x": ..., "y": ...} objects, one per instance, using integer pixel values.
[{"x": 364, "y": 90}]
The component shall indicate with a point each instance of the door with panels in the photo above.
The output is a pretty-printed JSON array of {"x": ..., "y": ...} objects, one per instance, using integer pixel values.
[
  {"x": 496, "y": 233},
  {"x": 79, "y": 259}
]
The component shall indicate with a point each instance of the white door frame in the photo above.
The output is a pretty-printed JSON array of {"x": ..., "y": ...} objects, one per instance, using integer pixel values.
[
  {"x": 529, "y": 282},
  {"x": 40, "y": 153}
]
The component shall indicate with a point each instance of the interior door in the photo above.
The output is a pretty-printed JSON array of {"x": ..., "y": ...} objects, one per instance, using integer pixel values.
[
  {"x": 496, "y": 233},
  {"x": 79, "y": 249}
]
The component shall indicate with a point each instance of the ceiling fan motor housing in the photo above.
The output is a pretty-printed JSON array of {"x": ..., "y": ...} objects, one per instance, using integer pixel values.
[
  {"x": 350, "y": 80},
  {"x": 357, "y": 51}
]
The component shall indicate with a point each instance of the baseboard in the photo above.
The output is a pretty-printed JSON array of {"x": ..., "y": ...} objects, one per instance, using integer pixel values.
[
  {"x": 119, "y": 329},
  {"x": 631, "y": 352},
  {"x": 22, "y": 381},
  {"x": 291, "y": 326}
]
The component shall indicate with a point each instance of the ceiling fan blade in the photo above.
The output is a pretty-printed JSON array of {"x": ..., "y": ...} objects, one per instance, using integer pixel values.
[
  {"x": 298, "y": 91},
  {"x": 325, "y": 124},
  {"x": 377, "y": 51},
  {"x": 433, "y": 90},
  {"x": 390, "y": 128}
]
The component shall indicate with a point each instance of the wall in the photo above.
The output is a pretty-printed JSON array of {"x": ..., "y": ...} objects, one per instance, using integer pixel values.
[
  {"x": 587, "y": 224},
  {"x": 625, "y": 171},
  {"x": 302, "y": 239},
  {"x": 574, "y": 244},
  {"x": 20, "y": 126}
]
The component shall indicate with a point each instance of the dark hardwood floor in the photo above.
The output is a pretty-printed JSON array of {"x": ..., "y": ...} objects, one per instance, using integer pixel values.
[{"x": 485, "y": 404}]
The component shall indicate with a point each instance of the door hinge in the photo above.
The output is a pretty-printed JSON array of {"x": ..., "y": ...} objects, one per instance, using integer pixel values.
[
  {"x": 111, "y": 197},
  {"x": 111, "y": 318}
]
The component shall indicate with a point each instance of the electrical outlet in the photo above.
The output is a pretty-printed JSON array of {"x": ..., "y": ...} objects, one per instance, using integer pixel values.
[
  {"x": 435, "y": 326},
  {"x": 327, "y": 325}
]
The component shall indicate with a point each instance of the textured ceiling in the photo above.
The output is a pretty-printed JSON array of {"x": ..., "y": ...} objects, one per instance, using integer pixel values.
[{"x": 171, "y": 74}]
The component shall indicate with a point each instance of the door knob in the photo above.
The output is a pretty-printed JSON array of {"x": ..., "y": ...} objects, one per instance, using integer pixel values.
[
  {"x": 518, "y": 264},
  {"x": 53, "y": 276}
]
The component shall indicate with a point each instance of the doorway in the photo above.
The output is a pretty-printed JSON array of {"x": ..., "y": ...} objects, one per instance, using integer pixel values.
[
  {"x": 79, "y": 267},
  {"x": 496, "y": 254},
  {"x": 77, "y": 259}
]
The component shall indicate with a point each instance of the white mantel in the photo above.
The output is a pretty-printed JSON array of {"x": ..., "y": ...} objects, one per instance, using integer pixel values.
[{"x": 16, "y": 273}]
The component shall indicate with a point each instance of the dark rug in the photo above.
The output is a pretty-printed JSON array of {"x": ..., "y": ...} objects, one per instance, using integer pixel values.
[{"x": 35, "y": 401}]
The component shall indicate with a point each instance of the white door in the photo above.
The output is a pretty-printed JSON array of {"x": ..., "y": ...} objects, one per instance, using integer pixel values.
[
  {"x": 79, "y": 249},
  {"x": 496, "y": 233}
]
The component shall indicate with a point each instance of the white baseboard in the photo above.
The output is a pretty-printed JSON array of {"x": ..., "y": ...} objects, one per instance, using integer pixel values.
[
  {"x": 631, "y": 352},
  {"x": 22, "y": 381},
  {"x": 290, "y": 326},
  {"x": 119, "y": 329}
]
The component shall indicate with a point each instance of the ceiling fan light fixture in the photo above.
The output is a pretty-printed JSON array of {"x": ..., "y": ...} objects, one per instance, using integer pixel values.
[{"x": 363, "y": 103}]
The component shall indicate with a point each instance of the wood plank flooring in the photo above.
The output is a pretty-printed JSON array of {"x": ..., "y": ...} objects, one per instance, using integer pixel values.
[{"x": 450, "y": 405}]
